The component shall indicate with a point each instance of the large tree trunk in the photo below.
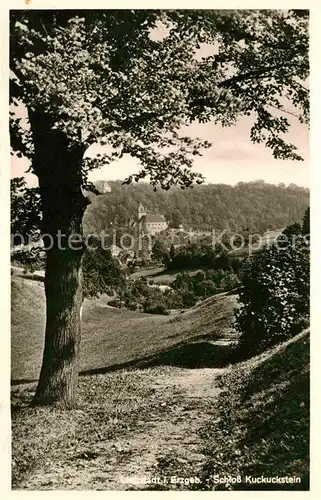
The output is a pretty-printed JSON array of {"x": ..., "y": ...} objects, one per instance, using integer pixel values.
[
  {"x": 58, "y": 167},
  {"x": 58, "y": 376}
]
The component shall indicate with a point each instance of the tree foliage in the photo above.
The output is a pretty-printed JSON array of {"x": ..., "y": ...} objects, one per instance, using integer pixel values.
[
  {"x": 205, "y": 284},
  {"x": 306, "y": 222},
  {"x": 275, "y": 297},
  {"x": 103, "y": 76},
  {"x": 101, "y": 272},
  {"x": 159, "y": 251},
  {"x": 194, "y": 256},
  {"x": 248, "y": 206},
  {"x": 25, "y": 211}
]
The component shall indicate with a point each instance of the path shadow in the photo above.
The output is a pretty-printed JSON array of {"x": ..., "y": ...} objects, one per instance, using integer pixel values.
[{"x": 191, "y": 355}]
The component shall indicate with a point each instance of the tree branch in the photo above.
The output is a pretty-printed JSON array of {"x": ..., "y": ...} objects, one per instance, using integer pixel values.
[
  {"x": 283, "y": 110},
  {"x": 262, "y": 73},
  {"x": 302, "y": 86}
]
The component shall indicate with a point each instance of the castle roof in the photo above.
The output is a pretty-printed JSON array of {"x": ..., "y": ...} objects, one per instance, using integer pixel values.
[{"x": 152, "y": 218}]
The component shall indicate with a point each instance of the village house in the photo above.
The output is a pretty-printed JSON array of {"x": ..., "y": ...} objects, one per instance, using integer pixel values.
[{"x": 150, "y": 223}]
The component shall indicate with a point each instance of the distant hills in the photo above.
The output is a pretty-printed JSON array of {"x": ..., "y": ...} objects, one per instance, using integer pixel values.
[{"x": 254, "y": 206}]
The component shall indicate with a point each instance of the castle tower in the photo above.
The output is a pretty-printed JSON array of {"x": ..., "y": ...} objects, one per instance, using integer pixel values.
[{"x": 141, "y": 211}]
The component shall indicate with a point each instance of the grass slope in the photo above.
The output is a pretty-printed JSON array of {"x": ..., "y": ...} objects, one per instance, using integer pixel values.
[
  {"x": 163, "y": 422},
  {"x": 260, "y": 423},
  {"x": 112, "y": 337},
  {"x": 161, "y": 275}
]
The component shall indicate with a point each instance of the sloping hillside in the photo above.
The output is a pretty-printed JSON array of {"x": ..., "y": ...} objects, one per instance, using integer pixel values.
[
  {"x": 260, "y": 423},
  {"x": 113, "y": 338},
  {"x": 134, "y": 426}
]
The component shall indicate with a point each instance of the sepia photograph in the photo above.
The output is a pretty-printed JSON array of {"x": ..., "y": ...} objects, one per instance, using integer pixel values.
[{"x": 160, "y": 249}]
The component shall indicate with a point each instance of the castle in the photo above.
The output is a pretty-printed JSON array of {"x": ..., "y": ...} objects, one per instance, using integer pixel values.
[{"x": 149, "y": 223}]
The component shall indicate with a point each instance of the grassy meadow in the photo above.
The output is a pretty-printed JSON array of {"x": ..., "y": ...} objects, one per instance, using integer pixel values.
[{"x": 112, "y": 338}]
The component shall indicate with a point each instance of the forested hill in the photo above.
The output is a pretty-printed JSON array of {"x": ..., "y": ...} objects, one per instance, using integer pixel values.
[{"x": 255, "y": 206}]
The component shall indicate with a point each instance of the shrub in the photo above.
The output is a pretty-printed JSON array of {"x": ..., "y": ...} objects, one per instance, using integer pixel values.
[
  {"x": 229, "y": 282},
  {"x": 173, "y": 299},
  {"x": 199, "y": 277},
  {"x": 115, "y": 303},
  {"x": 236, "y": 265},
  {"x": 155, "y": 308},
  {"x": 183, "y": 281},
  {"x": 204, "y": 284},
  {"x": 189, "y": 299},
  {"x": 216, "y": 275},
  {"x": 132, "y": 306},
  {"x": 32, "y": 258},
  {"x": 205, "y": 288},
  {"x": 275, "y": 296}
]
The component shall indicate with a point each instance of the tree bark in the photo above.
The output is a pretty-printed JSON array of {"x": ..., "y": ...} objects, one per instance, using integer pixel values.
[
  {"x": 58, "y": 167},
  {"x": 59, "y": 372}
]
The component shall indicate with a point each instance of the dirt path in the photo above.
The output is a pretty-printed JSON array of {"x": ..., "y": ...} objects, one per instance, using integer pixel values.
[
  {"x": 165, "y": 445},
  {"x": 170, "y": 446}
]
